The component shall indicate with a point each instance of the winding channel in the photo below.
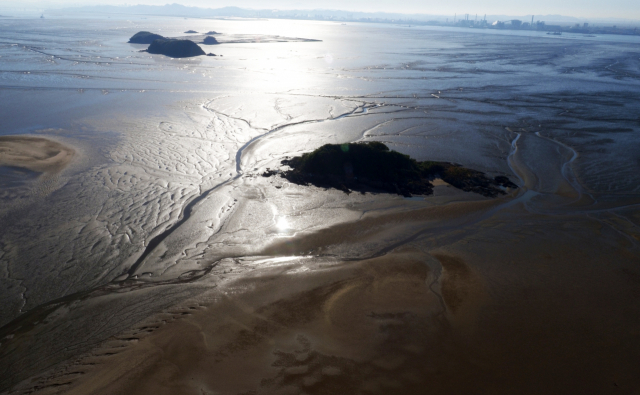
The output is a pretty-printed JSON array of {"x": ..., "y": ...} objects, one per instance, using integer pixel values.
[{"x": 187, "y": 211}]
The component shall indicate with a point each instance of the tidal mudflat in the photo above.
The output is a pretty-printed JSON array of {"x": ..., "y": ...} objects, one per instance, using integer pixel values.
[{"x": 160, "y": 260}]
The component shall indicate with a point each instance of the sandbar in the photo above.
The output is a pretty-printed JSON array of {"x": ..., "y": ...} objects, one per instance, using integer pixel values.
[{"x": 35, "y": 153}]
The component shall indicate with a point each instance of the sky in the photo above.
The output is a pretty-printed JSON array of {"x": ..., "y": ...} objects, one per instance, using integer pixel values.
[{"x": 627, "y": 9}]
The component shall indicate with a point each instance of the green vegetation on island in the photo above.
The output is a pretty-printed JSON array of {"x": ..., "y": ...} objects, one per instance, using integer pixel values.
[
  {"x": 370, "y": 167},
  {"x": 175, "y": 48},
  {"x": 145, "y": 38}
]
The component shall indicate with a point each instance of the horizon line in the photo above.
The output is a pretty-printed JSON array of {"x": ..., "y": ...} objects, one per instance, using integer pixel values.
[{"x": 70, "y": 6}]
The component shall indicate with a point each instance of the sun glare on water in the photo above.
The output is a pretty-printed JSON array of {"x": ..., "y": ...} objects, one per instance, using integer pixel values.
[{"x": 282, "y": 224}]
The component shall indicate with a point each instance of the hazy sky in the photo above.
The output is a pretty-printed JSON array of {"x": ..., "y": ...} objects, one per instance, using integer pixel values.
[
  {"x": 586, "y": 8},
  {"x": 580, "y": 8}
]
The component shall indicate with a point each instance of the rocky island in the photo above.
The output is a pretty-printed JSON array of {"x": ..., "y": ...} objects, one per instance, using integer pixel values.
[
  {"x": 144, "y": 38},
  {"x": 210, "y": 40},
  {"x": 175, "y": 48},
  {"x": 370, "y": 167}
]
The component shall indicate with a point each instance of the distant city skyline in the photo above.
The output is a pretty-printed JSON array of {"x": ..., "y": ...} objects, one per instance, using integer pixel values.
[{"x": 624, "y": 9}]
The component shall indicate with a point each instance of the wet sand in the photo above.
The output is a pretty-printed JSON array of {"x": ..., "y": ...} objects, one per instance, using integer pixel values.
[
  {"x": 518, "y": 303},
  {"x": 455, "y": 294},
  {"x": 34, "y": 153}
]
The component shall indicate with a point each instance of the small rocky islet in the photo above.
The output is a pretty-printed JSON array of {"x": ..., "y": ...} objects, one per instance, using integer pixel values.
[
  {"x": 210, "y": 40},
  {"x": 175, "y": 48},
  {"x": 372, "y": 166}
]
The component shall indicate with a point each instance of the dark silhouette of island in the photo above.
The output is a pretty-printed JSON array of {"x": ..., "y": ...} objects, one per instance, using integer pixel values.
[
  {"x": 144, "y": 38},
  {"x": 175, "y": 48},
  {"x": 371, "y": 167},
  {"x": 210, "y": 40},
  {"x": 191, "y": 31},
  {"x": 211, "y": 32}
]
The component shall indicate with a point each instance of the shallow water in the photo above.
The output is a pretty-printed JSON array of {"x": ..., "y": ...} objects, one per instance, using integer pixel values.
[{"x": 167, "y": 181}]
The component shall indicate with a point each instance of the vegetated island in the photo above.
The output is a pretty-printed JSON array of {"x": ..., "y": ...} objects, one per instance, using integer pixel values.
[
  {"x": 145, "y": 38},
  {"x": 370, "y": 167},
  {"x": 175, "y": 48}
]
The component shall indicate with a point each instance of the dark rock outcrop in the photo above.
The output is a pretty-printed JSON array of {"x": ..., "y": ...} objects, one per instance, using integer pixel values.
[
  {"x": 175, "y": 48},
  {"x": 370, "y": 167},
  {"x": 210, "y": 40},
  {"x": 144, "y": 38}
]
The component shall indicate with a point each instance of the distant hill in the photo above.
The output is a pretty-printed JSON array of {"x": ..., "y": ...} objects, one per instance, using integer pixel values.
[{"x": 179, "y": 10}]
